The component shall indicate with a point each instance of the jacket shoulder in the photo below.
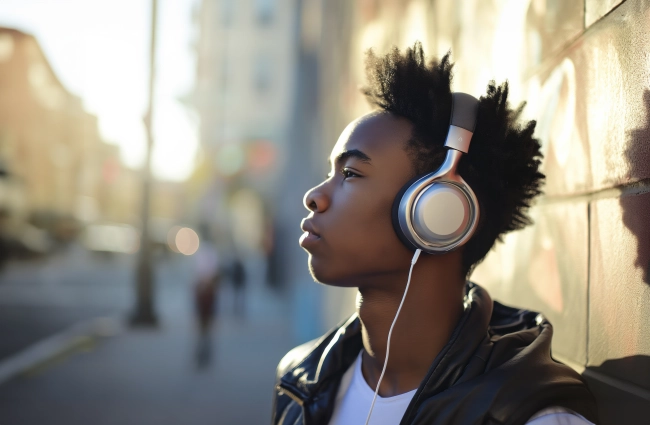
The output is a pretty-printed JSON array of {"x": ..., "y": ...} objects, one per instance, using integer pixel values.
[
  {"x": 302, "y": 352},
  {"x": 282, "y": 404},
  {"x": 295, "y": 356}
]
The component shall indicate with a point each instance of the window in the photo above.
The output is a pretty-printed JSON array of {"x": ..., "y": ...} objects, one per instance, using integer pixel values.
[
  {"x": 6, "y": 47},
  {"x": 226, "y": 12},
  {"x": 264, "y": 9},
  {"x": 262, "y": 73}
]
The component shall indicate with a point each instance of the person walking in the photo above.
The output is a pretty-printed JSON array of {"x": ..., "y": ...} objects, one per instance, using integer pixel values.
[
  {"x": 238, "y": 278},
  {"x": 206, "y": 296}
]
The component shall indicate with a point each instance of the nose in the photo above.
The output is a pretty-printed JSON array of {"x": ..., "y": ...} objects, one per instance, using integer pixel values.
[{"x": 316, "y": 200}]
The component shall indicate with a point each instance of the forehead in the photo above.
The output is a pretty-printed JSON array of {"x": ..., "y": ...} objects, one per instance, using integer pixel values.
[{"x": 380, "y": 135}]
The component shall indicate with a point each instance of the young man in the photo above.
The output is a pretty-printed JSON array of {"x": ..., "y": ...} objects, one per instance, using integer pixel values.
[{"x": 455, "y": 356}]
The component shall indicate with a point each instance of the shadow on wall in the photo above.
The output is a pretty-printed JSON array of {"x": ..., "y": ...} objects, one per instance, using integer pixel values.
[
  {"x": 618, "y": 402},
  {"x": 636, "y": 210},
  {"x": 621, "y": 401}
]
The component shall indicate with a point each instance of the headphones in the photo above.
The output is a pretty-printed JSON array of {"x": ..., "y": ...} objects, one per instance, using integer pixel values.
[{"x": 438, "y": 212}]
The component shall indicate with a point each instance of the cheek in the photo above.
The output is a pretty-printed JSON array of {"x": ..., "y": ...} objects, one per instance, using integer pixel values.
[
  {"x": 363, "y": 221},
  {"x": 360, "y": 241}
]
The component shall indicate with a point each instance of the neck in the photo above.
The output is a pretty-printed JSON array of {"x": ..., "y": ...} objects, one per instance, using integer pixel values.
[{"x": 431, "y": 310}]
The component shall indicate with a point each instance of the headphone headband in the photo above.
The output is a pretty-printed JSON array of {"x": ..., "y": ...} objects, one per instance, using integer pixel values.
[{"x": 464, "y": 109}]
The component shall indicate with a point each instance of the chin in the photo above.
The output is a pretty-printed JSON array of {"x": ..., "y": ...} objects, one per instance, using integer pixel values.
[{"x": 328, "y": 275}]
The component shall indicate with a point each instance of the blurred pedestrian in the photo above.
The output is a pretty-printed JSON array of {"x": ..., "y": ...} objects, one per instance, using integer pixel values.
[
  {"x": 238, "y": 278},
  {"x": 206, "y": 295}
]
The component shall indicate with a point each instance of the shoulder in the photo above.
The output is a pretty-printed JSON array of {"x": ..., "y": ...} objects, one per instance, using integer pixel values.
[
  {"x": 557, "y": 416},
  {"x": 281, "y": 402},
  {"x": 295, "y": 356}
]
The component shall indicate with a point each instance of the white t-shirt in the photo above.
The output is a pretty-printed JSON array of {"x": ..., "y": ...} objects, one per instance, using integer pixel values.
[{"x": 354, "y": 398}]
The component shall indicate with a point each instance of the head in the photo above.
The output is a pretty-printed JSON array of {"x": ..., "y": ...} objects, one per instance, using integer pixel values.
[{"x": 403, "y": 138}]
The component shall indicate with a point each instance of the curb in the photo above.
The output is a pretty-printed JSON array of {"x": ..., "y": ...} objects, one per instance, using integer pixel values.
[{"x": 75, "y": 337}]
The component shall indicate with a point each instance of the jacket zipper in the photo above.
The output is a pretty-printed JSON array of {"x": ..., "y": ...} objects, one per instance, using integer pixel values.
[{"x": 290, "y": 394}]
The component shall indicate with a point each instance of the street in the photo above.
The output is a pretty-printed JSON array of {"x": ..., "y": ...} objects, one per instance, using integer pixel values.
[{"x": 156, "y": 376}]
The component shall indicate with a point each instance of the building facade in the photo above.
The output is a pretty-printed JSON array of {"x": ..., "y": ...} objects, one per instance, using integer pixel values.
[
  {"x": 55, "y": 170},
  {"x": 244, "y": 96}
]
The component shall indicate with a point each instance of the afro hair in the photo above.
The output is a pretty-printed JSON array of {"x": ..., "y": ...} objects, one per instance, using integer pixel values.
[{"x": 502, "y": 165}]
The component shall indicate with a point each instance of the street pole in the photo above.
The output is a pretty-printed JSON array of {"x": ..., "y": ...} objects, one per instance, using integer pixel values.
[{"x": 144, "y": 314}]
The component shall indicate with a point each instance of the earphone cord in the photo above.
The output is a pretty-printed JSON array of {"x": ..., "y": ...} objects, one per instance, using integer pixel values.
[{"x": 390, "y": 332}]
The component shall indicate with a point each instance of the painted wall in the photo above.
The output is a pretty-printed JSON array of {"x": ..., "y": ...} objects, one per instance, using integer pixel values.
[{"x": 584, "y": 69}]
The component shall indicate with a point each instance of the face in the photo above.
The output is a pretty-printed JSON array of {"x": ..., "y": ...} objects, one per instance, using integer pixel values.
[{"x": 349, "y": 234}]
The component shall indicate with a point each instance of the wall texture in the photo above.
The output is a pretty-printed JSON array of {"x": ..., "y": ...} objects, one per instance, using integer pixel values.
[{"x": 584, "y": 69}]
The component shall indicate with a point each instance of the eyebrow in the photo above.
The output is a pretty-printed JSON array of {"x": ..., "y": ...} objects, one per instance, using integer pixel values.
[{"x": 353, "y": 153}]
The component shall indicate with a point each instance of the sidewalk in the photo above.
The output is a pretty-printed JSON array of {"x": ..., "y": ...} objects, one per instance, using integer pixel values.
[
  {"x": 151, "y": 376},
  {"x": 39, "y": 299}
]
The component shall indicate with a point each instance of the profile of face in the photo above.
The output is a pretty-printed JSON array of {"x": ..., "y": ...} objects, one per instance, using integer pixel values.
[{"x": 348, "y": 233}]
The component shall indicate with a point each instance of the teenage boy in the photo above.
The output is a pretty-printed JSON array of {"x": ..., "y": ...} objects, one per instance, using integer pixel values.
[{"x": 425, "y": 345}]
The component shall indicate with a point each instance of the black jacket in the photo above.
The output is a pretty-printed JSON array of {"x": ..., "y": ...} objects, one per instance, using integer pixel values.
[{"x": 495, "y": 369}]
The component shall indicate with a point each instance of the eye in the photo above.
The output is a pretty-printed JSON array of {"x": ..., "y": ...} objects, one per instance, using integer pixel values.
[{"x": 347, "y": 173}]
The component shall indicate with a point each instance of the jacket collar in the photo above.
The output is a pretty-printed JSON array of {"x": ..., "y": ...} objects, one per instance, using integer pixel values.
[
  {"x": 334, "y": 353},
  {"x": 497, "y": 360},
  {"x": 330, "y": 358}
]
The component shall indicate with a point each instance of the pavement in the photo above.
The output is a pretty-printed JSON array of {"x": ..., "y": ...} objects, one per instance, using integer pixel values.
[
  {"x": 41, "y": 298},
  {"x": 111, "y": 373}
]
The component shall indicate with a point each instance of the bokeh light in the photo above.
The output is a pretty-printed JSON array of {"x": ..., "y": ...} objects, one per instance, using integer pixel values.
[{"x": 187, "y": 241}]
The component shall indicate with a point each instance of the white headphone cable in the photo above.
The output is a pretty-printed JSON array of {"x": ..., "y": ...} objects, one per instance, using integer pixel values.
[{"x": 408, "y": 282}]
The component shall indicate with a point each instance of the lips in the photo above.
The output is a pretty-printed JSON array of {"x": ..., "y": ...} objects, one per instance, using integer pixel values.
[
  {"x": 308, "y": 226},
  {"x": 310, "y": 237}
]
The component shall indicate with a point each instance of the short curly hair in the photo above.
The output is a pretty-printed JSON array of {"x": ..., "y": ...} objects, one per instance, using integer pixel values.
[{"x": 503, "y": 162}]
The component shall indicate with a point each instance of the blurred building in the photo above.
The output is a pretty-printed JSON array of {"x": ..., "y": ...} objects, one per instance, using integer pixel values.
[
  {"x": 56, "y": 174},
  {"x": 585, "y": 264},
  {"x": 243, "y": 95},
  {"x": 245, "y": 74}
]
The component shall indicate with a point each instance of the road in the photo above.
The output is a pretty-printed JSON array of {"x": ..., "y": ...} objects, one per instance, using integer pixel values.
[{"x": 137, "y": 376}]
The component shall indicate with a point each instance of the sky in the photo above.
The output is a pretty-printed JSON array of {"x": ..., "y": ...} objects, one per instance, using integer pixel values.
[{"x": 99, "y": 49}]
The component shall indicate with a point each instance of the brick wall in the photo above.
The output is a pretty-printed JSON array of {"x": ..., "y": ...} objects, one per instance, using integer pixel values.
[{"x": 584, "y": 69}]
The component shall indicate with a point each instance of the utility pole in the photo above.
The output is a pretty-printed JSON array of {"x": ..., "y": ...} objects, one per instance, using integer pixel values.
[{"x": 144, "y": 314}]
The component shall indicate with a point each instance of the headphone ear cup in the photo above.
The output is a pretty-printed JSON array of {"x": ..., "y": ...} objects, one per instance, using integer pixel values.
[
  {"x": 395, "y": 213},
  {"x": 442, "y": 214}
]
